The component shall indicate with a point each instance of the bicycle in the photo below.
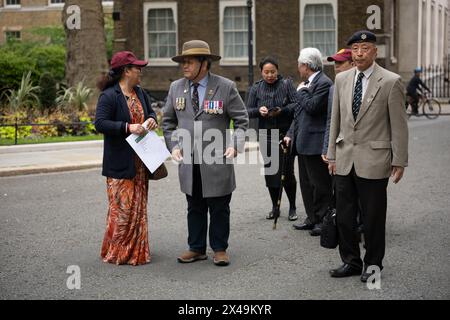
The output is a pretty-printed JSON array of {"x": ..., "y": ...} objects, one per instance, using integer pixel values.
[{"x": 431, "y": 108}]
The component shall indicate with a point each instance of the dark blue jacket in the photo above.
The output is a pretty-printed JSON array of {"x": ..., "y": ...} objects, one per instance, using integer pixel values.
[
  {"x": 111, "y": 117},
  {"x": 310, "y": 117}
]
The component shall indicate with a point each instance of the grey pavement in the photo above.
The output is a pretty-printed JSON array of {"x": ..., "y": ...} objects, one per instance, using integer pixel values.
[
  {"x": 55, "y": 157},
  {"x": 66, "y": 156},
  {"x": 54, "y": 220}
]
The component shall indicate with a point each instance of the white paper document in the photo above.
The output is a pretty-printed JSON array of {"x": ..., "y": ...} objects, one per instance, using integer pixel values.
[{"x": 150, "y": 148}]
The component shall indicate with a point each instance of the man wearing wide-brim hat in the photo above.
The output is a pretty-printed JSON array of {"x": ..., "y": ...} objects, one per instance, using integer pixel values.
[
  {"x": 198, "y": 110},
  {"x": 368, "y": 144}
]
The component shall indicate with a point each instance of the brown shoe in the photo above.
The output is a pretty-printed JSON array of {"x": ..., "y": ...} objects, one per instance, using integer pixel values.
[
  {"x": 191, "y": 256},
  {"x": 221, "y": 258}
]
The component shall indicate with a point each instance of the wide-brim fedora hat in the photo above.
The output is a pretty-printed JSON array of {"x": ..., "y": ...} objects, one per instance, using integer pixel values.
[{"x": 196, "y": 48}]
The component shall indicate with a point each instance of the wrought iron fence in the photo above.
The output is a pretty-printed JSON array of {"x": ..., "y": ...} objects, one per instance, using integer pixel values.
[
  {"x": 437, "y": 79},
  {"x": 16, "y": 125}
]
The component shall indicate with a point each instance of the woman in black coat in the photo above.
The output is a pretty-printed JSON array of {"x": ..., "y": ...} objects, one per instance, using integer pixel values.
[
  {"x": 122, "y": 109},
  {"x": 272, "y": 100}
]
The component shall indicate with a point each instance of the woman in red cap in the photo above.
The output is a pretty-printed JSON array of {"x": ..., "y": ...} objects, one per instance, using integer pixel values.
[{"x": 122, "y": 109}]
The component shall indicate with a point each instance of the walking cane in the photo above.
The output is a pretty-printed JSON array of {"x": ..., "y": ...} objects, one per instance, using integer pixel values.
[{"x": 283, "y": 179}]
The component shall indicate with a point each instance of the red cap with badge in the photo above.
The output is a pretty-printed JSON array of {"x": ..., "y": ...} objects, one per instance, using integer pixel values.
[{"x": 341, "y": 56}]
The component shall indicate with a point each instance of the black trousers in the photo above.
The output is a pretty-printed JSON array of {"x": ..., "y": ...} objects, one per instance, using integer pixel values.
[
  {"x": 274, "y": 180},
  {"x": 315, "y": 185},
  {"x": 372, "y": 195},
  {"x": 197, "y": 218}
]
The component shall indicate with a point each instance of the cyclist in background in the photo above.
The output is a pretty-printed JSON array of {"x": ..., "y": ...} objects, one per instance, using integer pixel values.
[{"x": 415, "y": 84}]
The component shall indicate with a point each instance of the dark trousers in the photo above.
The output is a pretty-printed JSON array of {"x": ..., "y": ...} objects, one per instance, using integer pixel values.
[
  {"x": 285, "y": 164},
  {"x": 373, "y": 199},
  {"x": 414, "y": 101},
  {"x": 315, "y": 185},
  {"x": 197, "y": 217}
]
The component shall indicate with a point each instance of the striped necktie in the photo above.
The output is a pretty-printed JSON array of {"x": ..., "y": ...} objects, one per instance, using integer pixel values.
[
  {"x": 195, "y": 99},
  {"x": 357, "y": 96}
]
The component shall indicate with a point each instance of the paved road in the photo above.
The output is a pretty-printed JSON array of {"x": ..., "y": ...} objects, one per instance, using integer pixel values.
[{"x": 52, "y": 221}]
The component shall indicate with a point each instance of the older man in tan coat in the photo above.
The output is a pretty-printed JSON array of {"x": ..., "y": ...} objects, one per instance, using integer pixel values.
[{"x": 368, "y": 143}]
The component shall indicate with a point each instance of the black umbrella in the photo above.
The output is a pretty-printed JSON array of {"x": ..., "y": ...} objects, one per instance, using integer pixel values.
[{"x": 276, "y": 213}]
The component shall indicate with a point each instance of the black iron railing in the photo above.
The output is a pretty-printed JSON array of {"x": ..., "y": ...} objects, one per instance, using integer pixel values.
[
  {"x": 16, "y": 125},
  {"x": 437, "y": 78}
]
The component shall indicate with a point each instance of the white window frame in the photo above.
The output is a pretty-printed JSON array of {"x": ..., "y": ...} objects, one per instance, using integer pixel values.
[
  {"x": 235, "y": 61},
  {"x": 50, "y": 4},
  {"x": 160, "y": 5},
  {"x": 11, "y": 6},
  {"x": 303, "y": 4}
]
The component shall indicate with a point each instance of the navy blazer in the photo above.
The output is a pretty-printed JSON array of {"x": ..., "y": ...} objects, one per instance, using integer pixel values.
[
  {"x": 111, "y": 117},
  {"x": 310, "y": 117}
]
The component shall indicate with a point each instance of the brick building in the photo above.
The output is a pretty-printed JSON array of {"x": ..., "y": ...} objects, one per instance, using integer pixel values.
[
  {"x": 18, "y": 16},
  {"x": 156, "y": 30}
]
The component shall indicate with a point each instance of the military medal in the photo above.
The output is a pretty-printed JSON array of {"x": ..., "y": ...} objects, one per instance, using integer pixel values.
[
  {"x": 213, "y": 107},
  {"x": 180, "y": 103}
]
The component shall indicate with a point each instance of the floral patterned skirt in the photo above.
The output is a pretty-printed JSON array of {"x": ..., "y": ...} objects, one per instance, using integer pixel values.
[{"x": 126, "y": 236}]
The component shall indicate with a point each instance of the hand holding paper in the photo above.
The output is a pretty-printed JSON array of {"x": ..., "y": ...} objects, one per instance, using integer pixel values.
[{"x": 150, "y": 149}]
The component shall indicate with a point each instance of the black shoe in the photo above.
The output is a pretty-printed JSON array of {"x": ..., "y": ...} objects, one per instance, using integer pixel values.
[
  {"x": 365, "y": 275},
  {"x": 271, "y": 214},
  {"x": 316, "y": 231},
  {"x": 303, "y": 226},
  {"x": 345, "y": 270},
  {"x": 292, "y": 215}
]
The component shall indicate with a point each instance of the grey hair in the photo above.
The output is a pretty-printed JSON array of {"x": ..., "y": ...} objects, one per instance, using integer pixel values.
[{"x": 312, "y": 58}]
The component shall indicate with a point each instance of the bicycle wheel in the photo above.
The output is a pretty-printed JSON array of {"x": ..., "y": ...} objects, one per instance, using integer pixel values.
[{"x": 431, "y": 108}]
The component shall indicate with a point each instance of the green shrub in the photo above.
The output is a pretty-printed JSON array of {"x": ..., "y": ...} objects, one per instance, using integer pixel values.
[
  {"x": 50, "y": 59},
  {"x": 18, "y": 57},
  {"x": 9, "y": 132},
  {"x": 47, "y": 92},
  {"x": 50, "y": 34},
  {"x": 44, "y": 131},
  {"x": 13, "y": 66},
  {"x": 10, "y": 119},
  {"x": 74, "y": 98},
  {"x": 25, "y": 96}
]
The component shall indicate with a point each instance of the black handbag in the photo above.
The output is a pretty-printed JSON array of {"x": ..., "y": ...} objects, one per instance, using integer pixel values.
[
  {"x": 159, "y": 173},
  {"x": 329, "y": 233}
]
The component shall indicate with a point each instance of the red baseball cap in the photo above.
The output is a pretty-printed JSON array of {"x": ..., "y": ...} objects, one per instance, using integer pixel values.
[
  {"x": 341, "y": 56},
  {"x": 123, "y": 58}
]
